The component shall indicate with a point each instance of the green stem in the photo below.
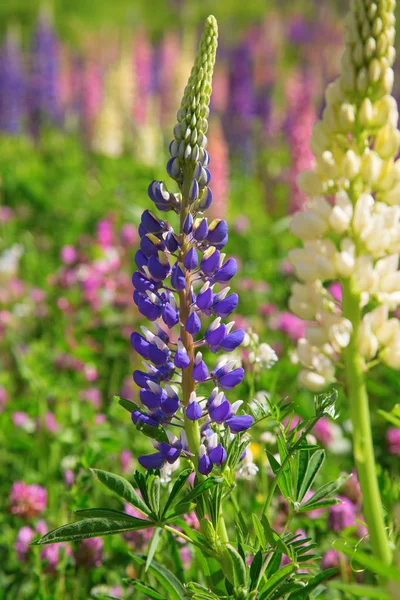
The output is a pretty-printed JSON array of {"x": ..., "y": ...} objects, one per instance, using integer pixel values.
[{"x": 363, "y": 449}]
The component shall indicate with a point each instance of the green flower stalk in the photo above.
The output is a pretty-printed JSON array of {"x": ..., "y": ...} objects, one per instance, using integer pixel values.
[{"x": 351, "y": 234}]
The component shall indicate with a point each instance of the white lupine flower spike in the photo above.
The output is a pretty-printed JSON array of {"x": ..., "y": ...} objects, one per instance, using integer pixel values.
[{"x": 350, "y": 233}]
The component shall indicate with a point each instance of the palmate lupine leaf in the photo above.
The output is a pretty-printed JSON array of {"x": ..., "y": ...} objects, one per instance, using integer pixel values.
[
  {"x": 309, "y": 467},
  {"x": 122, "y": 488},
  {"x": 94, "y": 527},
  {"x": 176, "y": 488}
]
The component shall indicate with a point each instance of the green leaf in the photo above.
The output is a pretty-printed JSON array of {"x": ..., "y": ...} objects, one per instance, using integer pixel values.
[
  {"x": 274, "y": 563},
  {"x": 275, "y": 466},
  {"x": 153, "y": 546},
  {"x": 356, "y": 589},
  {"x": 274, "y": 539},
  {"x": 312, "y": 469},
  {"x": 368, "y": 562},
  {"x": 155, "y": 433},
  {"x": 277, "y": 579},
  {"x": 122, "y": 487},
  {"x": 303, "y": 457},
  {"x": 154, "y": 484},
  {"x": 312, "y": 584},
  {"x": 255, "y": 569},
  {"x": 172, "y": 585},
  {"x": 315, "y": 505},
  {"x": 179, "y": 509},
  {"x": 285, "y": 474},
  {"x": 238, "y": 567},
  {"x": 390, "y": 417},
  {"x": 127, "y": 404},
  {"x": 107, "y": 513},
  {"x": 286, "y": 588},
  {"x": 89, "y": 528},
  {"x": 141, "y": 482},
  {"x": 198, "y": 490},
  {"x": 259, "y": 529},
  {"x": 327, "y": 490},
  {"x": 176, "y": 488},
  {"x": 143, "y": 587}
]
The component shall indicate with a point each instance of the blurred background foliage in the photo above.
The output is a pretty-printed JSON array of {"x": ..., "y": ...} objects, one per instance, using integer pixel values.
[{"x": 88, "y": 95}]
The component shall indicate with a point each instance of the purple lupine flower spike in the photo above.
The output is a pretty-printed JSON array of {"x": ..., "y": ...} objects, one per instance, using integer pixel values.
[
  {"x": 12, "y": 86},
  {"x": 179, "y": 282},
  {"x": 44, "y": 85}
]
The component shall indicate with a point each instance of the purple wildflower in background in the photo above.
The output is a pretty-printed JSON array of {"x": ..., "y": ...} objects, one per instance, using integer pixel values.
[
  {"x": 27, "y": 501},
  {"x": 181, "y": 281},
  {"x": 12, "y": 87},
  {"x": 90, "y": 552},
  {"x": 241, "y": 103},
  {"x": 24, "y": 538},
  {"x": 393, "y": 440},
  {"x": 341, "y": 515},
  {"x": 43, "y": 95}
]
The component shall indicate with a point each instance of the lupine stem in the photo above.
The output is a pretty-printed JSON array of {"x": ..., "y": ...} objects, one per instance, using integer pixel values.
[
  {"x": 363, "y": 449},
  {"x": 188, "y": 383}
]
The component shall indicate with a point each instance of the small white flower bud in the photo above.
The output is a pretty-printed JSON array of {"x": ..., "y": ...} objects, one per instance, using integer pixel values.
[
  {"x": 365, "y": 113},
  {"x": 367, "y": 343},
  {"x": 374, "y": 70},
  {"x": 362, "y": 80},
  {"x": 387, "y": 141},
  {"x": 347, "y": 115},
  {"x": 371, "y": 165},
  {"x": 351, "y": 164},
  {"x": 312, "y": 381},
  {"x": 307, "y": 225}
]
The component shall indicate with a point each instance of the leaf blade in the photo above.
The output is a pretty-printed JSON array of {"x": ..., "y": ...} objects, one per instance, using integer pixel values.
[{"x": 122, "y": 488}]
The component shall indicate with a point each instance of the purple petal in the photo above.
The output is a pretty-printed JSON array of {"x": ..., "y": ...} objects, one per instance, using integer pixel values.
[
  {"x": 225, "y": 307},
  {"x": 226, "y": 272},
  {"x": 204, "y": 300},
  {"x": 221, "y": 412},
  {"x": 217, "y": 231},
  {"x": 139, "y": 344},
  {"x": 178, "y": 279},
  {"x": 191, "y": 261},
  {"x": 215, "y": 337},
  {"x": 210, "y": 263},
  {"x": 193, "y": 324},
  {"x": 200, "y": 371},
  {"x": 193, "y": 411},
  {"x": 232, "y": 379},
  {"x": 205, "y": 465},
  {"x": 239, "y": 424},
  {"x": 218, "y": 455},
  {"x": 232, "y": 340},
  {"x": 152, "y": 461}
]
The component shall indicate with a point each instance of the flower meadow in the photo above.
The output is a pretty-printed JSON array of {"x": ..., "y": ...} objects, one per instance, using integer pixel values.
[{"x": 200, "y": 301}]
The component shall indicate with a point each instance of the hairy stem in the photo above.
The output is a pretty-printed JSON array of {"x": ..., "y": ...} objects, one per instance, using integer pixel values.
[{"x": 363, "y": 449}]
